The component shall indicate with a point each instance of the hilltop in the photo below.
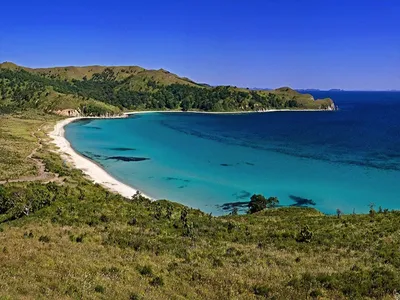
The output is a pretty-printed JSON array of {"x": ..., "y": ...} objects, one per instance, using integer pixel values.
[{"x": 103, "y": 89}]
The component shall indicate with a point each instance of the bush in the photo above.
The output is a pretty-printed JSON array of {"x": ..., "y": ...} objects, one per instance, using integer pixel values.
[
  {"x": 145, "y": 270},
  {"x": 134, "y": 296},
  {"x": 157, "y": 281},
  {"x": 262, "y": 290},
  {"x": 257, "y": 203},
  {"x": 305, "y": 235},
  {"x": 104, "y": 219},
  {"x": 99, "y": 289},
  {"x": 44, "y": 239}
]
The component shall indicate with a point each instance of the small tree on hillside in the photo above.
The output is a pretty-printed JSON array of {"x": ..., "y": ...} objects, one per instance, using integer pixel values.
[
  {"x": 272, "y": 202},
  {"x": 257, "y": 203}
]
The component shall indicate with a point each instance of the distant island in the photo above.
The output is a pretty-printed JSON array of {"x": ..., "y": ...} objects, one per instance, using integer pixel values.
[{"x": 101, "y": 90}]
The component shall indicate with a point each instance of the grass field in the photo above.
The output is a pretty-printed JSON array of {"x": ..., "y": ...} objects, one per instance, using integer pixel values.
[
  {"x": 18, "y": 138},
  {"x": 75, "y": 240}
]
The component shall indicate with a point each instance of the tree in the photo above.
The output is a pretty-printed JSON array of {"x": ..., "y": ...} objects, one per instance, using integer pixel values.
[
  {"x": 272, "y": 202},
  {"x": 257, "y": 203}
]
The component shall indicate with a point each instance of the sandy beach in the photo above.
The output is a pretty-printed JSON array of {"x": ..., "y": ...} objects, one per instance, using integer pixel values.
[{"x": 92, "y": 170}]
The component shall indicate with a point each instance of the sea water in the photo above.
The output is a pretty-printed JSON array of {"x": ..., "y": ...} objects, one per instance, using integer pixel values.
[{"x": 344, "y": 160}]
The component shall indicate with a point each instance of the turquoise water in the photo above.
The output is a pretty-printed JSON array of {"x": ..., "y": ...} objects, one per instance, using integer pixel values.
[{"x": 328, "y": 160}]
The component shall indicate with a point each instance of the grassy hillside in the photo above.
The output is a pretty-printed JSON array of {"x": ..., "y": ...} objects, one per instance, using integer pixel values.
[
  {"x": 134, "y": 88},
  {"x": 72, "y": 239}
]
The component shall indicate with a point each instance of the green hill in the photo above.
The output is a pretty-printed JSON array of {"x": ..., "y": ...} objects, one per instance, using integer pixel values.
[
  {"x": 133, "y": 88},
  {"x": 72, "y": 239}
]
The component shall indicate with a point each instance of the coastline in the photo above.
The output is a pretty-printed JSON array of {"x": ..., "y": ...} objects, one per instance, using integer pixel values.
[
  {"x": 95, "y": 172},
  {"x": 88, "y": 167},
  {"x": 227, "y": 112}
]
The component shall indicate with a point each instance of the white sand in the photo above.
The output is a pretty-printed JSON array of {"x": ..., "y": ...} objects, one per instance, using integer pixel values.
[{"x": 95, "y": 172}]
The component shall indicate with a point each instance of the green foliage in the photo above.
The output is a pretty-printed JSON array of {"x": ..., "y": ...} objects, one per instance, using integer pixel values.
[
  {"x": 16, "y": 202},
  {"x": 259, "y": 202},
  {"x": 99, "y": 289},
  {"x": 157, "y": 281},
  {"x": 21, "y": 88},
  {"x": 146, "y": 270},
  {"x": 272, "y": 202},
  {"x": 373, "y": 283},
  {"x": 305, "y": 235},
  {"x": 44, "y": 239},
  {"x": 261, "y": 290}
]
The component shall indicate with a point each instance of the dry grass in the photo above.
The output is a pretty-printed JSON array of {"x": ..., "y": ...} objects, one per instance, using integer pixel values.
[
  {"x": 16, "y": 143},
  {"x": 83, "y": 245}
]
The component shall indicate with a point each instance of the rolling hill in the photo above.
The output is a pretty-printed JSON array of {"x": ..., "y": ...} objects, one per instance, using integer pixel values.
[{"x": 97, "y": 90}]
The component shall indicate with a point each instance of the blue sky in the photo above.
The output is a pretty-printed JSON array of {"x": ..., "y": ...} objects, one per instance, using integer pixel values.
[{"x": 352, "y": 44}]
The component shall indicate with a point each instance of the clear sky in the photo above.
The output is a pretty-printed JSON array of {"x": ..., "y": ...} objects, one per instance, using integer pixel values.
[{"x": 348, "y": 44}]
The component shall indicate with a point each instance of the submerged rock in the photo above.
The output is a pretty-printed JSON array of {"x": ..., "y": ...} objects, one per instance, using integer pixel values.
[
  {"x": 122, "y": 149},
  {"x": 127, "y": 158},
  {"x": 299, "y": 201}
]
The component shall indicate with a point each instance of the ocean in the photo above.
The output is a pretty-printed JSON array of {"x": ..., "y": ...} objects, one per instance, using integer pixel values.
[{"x": 347, "y": 159}]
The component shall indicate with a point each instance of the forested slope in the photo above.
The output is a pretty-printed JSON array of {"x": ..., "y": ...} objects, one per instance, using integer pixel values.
[{"x": 134, "y": 88}]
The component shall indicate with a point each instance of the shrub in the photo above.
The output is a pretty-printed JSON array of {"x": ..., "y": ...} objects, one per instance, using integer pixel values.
[
  {"x": 104, "y": 219},
  {"x": 305, "y": 235},
  {"x": 79, "y": 239},
  {"x": 99, "y": 289},
  {"x": 262, "y": 290},
  {"x": 145, "y": 270},
  {"x": 111, "y": 272},
  {"x": 315, "y": 294},
  {"x": 134, "y": 296},
  {"x": 132, "y": 222},
  {"x": 44, "y": 239},
  {"x": 157, "y": 281}
]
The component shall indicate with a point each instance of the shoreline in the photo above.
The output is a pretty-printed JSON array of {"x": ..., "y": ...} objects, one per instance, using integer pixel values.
[
  {"x": 96, "y": 173},
  {"x": 227, "y": 112},
  {"x": 99, "y": 175}
]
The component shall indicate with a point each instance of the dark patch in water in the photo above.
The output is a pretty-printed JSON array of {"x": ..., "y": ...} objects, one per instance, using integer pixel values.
[
  {"x": 122, "y": 149},
  {"x": 242, "y": 195},
  {"x": 231, "y": 205},
  {"x": 249, "y": 163},
  {"x": 182, "y": 186},
  {"x": 176, "y": 179},
  {"x": 299, "y": 201},
  {"x": 171, "y": 178},
  {"x": 225, "y": 165},
  {"x": 91, "y": 155},
  {"x": 93, "y": 127},
  {"x": 128, "y": 158},
  {"x": 83, "y": 122}
]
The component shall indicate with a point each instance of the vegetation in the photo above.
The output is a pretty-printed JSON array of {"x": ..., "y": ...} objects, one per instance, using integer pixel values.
[
  {"x": 73, "y": 239},
  {"x": 259, "y": 202},
  {"x": 88, "y": 89}
]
